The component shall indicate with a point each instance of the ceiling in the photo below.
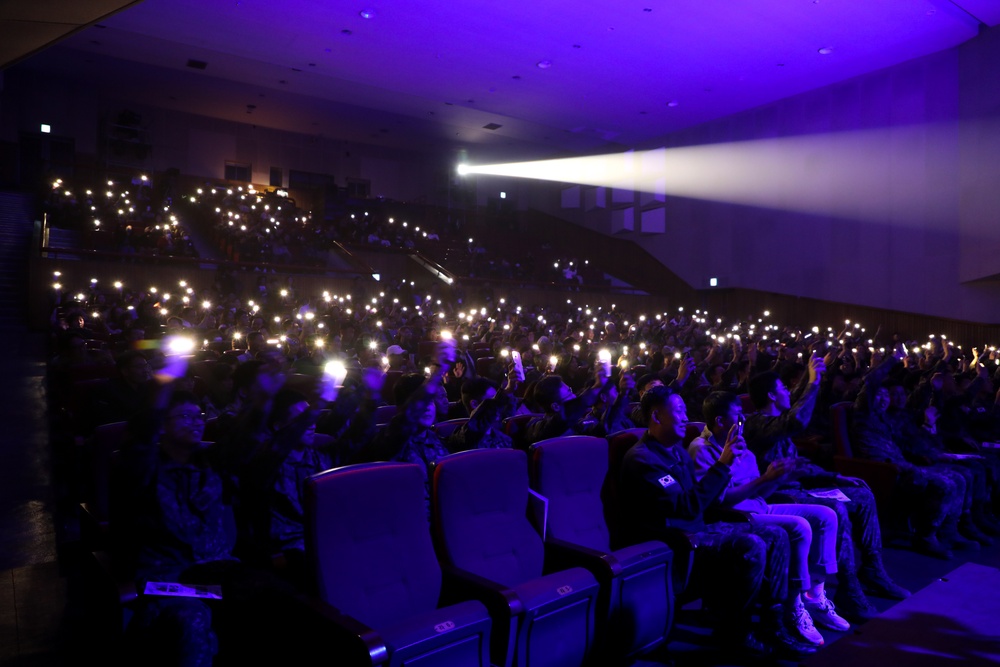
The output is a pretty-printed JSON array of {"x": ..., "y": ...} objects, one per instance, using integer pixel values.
[{"x": 555, "y": 76}]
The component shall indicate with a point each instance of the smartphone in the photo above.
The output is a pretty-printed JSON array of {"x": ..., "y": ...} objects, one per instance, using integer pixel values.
[
  {"x": 739, "y": 425},
  {"x": 604, "y": 359},
  {"x": 518, "y": 366}
]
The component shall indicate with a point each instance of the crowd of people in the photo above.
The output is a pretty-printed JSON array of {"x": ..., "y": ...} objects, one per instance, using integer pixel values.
[
  {"x": 268, "y": 375},
  {"x": 265, "y": 227},
  {"x": 261, "y": 227},
  {"x": 123, "y": 217}
]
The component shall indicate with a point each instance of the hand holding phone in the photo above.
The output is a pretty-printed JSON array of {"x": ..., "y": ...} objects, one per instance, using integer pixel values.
[{"x": 518, "y": 365}]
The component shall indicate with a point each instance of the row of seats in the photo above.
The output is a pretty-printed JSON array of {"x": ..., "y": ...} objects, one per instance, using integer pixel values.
[{"x": 483, "y": 586}]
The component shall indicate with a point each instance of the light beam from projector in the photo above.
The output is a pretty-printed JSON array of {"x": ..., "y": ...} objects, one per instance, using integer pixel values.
[{"x": 892, "y": 172}]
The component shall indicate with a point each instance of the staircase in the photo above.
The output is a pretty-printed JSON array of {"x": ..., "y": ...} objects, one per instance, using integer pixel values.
[{"x": 16, "y": 221}]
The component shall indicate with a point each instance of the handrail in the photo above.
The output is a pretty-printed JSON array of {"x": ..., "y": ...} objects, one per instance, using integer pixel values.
[
  {"x": 434, "y": 267},
  {"x": 354, "y": 259},
  {"x": 171, "y": 259},
  {"x": 509, "y": 282}
]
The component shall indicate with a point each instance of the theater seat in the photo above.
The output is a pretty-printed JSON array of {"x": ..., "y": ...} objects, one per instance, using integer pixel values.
[
  {"x": 95, "y": 508},
  {"x": 618, "y": 445},
  {"x": 446, "y": 428},
  {"x": 488, "y": 546},
  {"x": 637, "y": 598},
  {"x": 373, "y": 559},
  {"x": 691, "y": 431},
  {"x": 879, "y": 476},
  {"x": 383, "y": 413},
  {"x": 514, "y": 427}
]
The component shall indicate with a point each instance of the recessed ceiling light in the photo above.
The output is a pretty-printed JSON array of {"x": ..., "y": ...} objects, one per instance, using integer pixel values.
[
  {"x": 367, "y": 13},
  {"x": 672, "y": 103},
  {"x": 825, "y": 51},
  {"x": 544, "y": 64}
]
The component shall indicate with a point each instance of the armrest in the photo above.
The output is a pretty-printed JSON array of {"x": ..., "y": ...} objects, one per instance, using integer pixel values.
[
  {"x": 880, "y": 476},
  {"x": 502, "y": 603},
  {"x": 333, "y": 626},
  {"x": 125, "y": 587},
  {"x": 464, "y": 585},
  {"x": 560, "y": 555},
  {"x": 852, "y": 467}
]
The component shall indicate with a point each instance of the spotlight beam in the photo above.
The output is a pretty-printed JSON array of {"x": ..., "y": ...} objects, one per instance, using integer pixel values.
[{"x": 891, "y": 172}]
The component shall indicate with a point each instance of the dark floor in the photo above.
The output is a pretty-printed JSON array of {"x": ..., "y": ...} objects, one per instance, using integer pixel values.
[{"x": 44, "y": 606}]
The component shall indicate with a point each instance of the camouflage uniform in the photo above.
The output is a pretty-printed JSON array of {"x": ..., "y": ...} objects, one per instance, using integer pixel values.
[
  {"x": 734, "y": 564},
  {"x": 933, "y": 495},
  {"x": 175, "y": 516},
  {"x": 770, "y": 438}
]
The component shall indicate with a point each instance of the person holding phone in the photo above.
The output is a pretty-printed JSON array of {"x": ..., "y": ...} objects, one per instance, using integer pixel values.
[
  {"x": 780, "y": 416},
  {"x": 735, "y": 564},
  {"x": 812, "y": 529}
]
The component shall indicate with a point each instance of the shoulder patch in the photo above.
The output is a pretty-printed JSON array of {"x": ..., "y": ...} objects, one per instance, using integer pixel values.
[{"x": 666, "y": 481}]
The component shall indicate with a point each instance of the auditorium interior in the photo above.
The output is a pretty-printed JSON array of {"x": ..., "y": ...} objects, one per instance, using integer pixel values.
[{"x": 796, "y": 182}]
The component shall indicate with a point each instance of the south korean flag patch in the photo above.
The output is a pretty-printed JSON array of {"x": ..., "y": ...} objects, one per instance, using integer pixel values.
[{"x": 666, "y": 481}]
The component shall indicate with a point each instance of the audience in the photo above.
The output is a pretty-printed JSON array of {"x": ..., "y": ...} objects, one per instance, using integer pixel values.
[{"x": 257, "y": 372}]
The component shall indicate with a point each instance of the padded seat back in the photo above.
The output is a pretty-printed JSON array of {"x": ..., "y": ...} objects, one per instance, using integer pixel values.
[
  {"x": 383, "y": 413},
  {"x": 570, "y": 472},
  {"x": 368, "y": 538},
  {"x": 692, "y": 431},
  {"x": 446, "y": 428},
  {"x": 514, "y": 427},
  {"x": 840, "y": 424},
  {"x": 480, "y": 508},
  {"x": 618, "y": 445}
]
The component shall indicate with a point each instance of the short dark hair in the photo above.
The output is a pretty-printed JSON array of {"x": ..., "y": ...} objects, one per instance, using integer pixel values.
[
  {"x": 654, "y": 398},
  {"x": 283, "y": 402},
  {"x": 791, "y": 373},
  {"x": 717, "y": 404},
  {"x": 762, "y": 385},
  {"x": 405, "y": 386},
  {"x": 475, "y": 389},
  {"x": 641, "y": 383},
  {"x": 547, "y": 391}
]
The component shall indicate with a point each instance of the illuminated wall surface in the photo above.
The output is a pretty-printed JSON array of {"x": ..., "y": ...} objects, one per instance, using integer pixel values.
[{"x": 880, "y": 190}]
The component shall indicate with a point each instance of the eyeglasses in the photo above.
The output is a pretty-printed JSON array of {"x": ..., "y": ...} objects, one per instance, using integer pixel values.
[{"x": 189, "y": 417}]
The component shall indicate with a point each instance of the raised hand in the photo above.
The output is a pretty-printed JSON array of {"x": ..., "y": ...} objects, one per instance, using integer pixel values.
[
  {"x": 735, "y": 446},
  {"x": 816, "y": 368}
]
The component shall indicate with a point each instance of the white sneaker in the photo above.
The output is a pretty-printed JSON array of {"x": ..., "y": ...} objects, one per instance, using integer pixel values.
[
  {"x": 804, "y": 625},
  {"x": 824, "y": 613}
]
